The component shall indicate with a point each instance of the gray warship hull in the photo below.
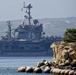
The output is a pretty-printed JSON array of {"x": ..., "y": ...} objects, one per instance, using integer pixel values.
[{"x": 24, "y": 48}]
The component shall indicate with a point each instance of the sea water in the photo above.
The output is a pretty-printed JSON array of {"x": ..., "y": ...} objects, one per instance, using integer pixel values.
[{"x": 10, "y": 65}]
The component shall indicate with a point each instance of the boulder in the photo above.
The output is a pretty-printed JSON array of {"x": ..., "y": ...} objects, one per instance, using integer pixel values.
[
  {"x": 29, "y": 69},
  {"x": 74, "y": 73},
  {"x": 39, "y": 64},
  {"x": 71, "y": 72},
  {"x": 21, "y": 69},
  {"x": 73, "y": 63},
  {"x": 47, "y": 69},
  {"x": 37, "y": 70},
  {"x": 56, "y": 71}
]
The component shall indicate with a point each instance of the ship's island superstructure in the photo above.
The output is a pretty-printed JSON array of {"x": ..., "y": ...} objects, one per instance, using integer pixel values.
[{"x": 27, "y": 39}]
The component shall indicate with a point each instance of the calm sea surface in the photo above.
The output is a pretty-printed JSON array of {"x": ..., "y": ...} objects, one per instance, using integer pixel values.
[{"x": 9, "y": 65}]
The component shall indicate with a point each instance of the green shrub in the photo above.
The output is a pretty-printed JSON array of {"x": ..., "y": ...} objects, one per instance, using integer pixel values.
[{"x": 70, "y": 35}]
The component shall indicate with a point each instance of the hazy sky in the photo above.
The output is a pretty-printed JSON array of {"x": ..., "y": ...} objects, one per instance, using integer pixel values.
[{"x": 11, "y": 9}]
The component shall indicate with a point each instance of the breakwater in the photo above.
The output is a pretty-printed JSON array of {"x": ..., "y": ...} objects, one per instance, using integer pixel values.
[{"x": 47, "y": 67}]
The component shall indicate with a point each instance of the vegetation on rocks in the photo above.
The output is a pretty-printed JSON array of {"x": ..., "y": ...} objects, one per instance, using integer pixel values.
[
  {"x": 64, "y": 52},
  {"x": 70, "y": 35}
]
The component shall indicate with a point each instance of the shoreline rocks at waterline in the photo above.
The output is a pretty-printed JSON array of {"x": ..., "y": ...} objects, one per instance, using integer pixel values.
[
  {"x": 42, "y": 67},
  {"x": 29, "y": 70},
  {"x": 37, "y": 70},
  {"x": 21, "y": 69},
  {"x": 49, "y": 70},
  {"x": 63, "y": 62}
]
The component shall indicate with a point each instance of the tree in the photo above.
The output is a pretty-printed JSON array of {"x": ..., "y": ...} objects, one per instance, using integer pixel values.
[{"x": 70, "y": 35}]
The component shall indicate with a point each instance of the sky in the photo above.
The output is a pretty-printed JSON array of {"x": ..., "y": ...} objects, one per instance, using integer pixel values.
[{"x": 11, "y": 9}]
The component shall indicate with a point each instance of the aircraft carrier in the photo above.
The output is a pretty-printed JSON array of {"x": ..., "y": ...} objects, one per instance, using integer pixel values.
[{"x": 28, "y": 39}]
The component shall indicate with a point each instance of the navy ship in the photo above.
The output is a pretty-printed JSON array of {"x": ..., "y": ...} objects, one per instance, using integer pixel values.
[{"x": 27, "y": 39}]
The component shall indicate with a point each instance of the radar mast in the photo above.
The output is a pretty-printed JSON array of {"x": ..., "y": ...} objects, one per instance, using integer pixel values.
[
  {"x": 9, "y": 30},
  {"x": 28, "y": 7}
]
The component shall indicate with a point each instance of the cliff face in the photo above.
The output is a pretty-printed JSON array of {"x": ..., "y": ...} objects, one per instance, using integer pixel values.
[{"x": 64, "y": 54}]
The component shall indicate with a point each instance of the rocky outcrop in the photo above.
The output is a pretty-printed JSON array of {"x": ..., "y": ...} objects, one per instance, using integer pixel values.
[
  {"x": 63, "y": 63},
  {"x": 64, "y": 54}
]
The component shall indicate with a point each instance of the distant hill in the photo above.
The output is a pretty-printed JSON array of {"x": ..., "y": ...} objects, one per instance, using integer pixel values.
[{"x": 51, "y": 26}]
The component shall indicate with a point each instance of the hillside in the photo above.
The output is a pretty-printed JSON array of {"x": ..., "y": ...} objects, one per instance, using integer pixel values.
[{"x": 51, "y": 26}]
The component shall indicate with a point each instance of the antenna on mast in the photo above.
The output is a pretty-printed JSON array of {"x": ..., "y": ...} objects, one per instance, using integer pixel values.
[{"x": 23, "y": 6}]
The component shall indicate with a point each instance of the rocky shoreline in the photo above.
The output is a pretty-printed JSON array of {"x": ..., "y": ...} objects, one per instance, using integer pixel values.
[
  {"x": 48, "y": 67},
  {"x": 64, "y": 54},
  {"x": 64, "y": 61}
]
